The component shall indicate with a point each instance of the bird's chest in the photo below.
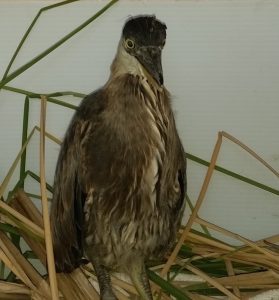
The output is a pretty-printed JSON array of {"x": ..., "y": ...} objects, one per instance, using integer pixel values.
[
  {"x": 128, "y": 207},
  {"x": 149, "y": 127},
  {"x": 140, "y": 132}
]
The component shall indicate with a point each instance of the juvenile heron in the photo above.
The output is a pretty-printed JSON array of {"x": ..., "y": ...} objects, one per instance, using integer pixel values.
[{"x": 121, "y": 173}]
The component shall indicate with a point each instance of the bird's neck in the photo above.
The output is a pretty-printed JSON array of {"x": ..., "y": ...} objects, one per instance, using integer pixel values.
[{"x": 124, "y": 64}]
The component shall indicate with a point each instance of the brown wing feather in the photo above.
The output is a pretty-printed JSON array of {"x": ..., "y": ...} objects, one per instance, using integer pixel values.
[
  {"x": 67, "y": 209},
  {"x": 66, "y": 218}
]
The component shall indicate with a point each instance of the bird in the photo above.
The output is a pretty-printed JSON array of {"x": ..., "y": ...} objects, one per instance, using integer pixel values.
[{"x": 120, "y": 178}]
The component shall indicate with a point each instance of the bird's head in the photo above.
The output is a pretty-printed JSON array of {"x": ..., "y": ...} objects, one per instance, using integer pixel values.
[{"x": 143, "y": 38}]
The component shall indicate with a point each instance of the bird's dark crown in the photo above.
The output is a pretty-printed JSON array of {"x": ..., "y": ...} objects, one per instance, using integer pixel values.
[{"x": 145, "y": 30}]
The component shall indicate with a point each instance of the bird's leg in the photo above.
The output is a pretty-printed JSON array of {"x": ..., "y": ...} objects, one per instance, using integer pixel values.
[
  {"x": 103, "y": 276},
  {"x": 140, "y": 279}
]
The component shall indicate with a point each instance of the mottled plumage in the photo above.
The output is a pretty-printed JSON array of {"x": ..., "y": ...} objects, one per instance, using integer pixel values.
[{"x": 121, "y": 174}]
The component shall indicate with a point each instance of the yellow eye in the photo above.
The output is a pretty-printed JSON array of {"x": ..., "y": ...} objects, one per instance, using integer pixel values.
[{"x": 129, "y": 44}]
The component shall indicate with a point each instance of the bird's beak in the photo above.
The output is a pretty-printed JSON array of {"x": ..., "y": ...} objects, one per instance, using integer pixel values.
[{"x": 150, "y": 59}]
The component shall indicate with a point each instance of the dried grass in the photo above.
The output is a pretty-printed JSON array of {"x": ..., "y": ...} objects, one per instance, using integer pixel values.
[{"x": 261, "y": 256}]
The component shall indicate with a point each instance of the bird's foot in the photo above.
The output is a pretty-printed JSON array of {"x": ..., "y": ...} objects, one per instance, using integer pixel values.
[{"x": 108, "y": 295}]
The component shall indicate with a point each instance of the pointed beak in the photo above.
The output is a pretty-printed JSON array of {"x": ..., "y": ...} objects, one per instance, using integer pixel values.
[{"x": 150, "y": 59}]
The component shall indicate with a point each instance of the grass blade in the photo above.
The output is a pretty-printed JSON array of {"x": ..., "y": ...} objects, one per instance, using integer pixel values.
[
  {"x": 38, "y": 95},
  {"x": 8, "y": 228},
  {"x": 14, "y": 164},
  {"x": 54, "y": 46},
  {"x": 37, "y": 178},
  {"x": 29, "y": 30},
  {"x": 166, "y": 286},
  {"x": 234, "y": 175},
  {"x": 23, "y": 140}
]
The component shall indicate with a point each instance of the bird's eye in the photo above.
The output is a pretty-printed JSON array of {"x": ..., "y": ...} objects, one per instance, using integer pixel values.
[{"x": 130, "y": 44}]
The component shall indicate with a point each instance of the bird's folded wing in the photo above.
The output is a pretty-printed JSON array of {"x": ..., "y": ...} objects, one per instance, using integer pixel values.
[{"x": 67, "y": 204}]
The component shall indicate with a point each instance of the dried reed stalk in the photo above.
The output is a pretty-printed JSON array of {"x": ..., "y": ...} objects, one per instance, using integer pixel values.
[
  {"x": 257, "y": 278},
  {"x": 11, "y": 252},
  {"x": 231, "y": 272},
  {"x": 246, "y": 260},
  {"x": 26, "y": 207},
  {"x": 50, "y": 136},
  {"x": 74, "y": 285},
  {"x": 17, "y": 270},
  {"x": 212, "y": 281},
  {"x": 13, "y": 288},
  {"x": 21, "y": 221},
  {"x": 250, "y": 151},
  {"x": 31, "y": 277},
  {"x": 207, "y": 241},
  {"x": 114, "y": 280},
  {"x": 48, "y": 239},
  {"x": 14, "y": 291},
  {"x": 81, "y": 280},
  {"x": 238, "y": 237}
]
